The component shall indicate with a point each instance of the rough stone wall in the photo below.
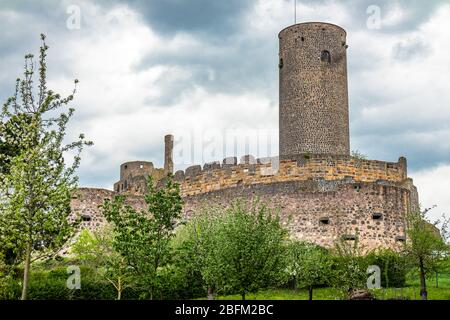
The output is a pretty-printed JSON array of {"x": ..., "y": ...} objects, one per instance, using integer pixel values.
[
  {"x": 196, "y": 180},
  {"x": 313, "y": 90},
  {"x": 86, "y": 201},
  {"x": 133, "y": 176},
  {"x": 324, "y": 211}
]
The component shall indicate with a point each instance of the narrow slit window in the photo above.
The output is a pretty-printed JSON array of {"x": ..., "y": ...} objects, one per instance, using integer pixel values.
[{"x": 324, "y": 221}]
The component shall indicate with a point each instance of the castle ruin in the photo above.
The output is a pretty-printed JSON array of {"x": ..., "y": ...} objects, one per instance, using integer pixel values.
[{"x": 323, "y": 193}]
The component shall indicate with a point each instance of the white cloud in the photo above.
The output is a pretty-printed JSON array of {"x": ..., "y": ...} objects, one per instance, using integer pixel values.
[{"x": 433, "y": 186}]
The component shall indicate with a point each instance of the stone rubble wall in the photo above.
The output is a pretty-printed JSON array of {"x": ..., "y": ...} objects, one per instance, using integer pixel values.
[{"x": 348, "y": 206}]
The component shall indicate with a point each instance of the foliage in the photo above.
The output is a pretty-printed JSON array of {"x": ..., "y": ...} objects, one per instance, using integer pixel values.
[
  {"x": 181, "y": 278},
  {"x": 35, "y": 190},
  {"x": 239, "y": 249},
  {"x": 358, "y": 155},
  {"x": 426, "y": 246},
  {"x": 308, "y": 264},
  {"x": 96, "y": 251},
  {"x": 142, "y": 238},
  {"x": 348, "y": 267},
  {"x": 393, "y": 267}
]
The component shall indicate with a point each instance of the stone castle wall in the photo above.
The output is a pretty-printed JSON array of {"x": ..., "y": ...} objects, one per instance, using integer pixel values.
[
  {"x": 195, "y": 180},
  {"x": 324, "y": 211},
  {"x": 86, "y": 201}
]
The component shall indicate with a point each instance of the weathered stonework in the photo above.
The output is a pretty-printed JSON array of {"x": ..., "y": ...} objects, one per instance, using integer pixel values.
[
  {"x": 313, "y": 90},
  {"x": 322, "y": 193}
]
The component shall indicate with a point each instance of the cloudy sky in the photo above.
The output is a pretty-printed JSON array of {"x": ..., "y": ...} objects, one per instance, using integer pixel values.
[{"x": 149, "y": 68}]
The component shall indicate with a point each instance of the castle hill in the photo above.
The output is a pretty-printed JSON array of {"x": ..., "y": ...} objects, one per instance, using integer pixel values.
[{"x": 180, "y": 152}]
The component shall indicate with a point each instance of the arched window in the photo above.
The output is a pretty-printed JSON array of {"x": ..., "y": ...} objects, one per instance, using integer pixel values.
[{"x": 325, "y": 56}]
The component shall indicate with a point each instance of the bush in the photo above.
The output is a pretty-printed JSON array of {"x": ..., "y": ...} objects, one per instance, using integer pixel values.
[{"x": 393, "y": 267}]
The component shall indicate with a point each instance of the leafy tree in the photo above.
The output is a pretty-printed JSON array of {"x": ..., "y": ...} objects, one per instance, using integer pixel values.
[
  {"x": 36, "y": 189},
  {"x": 96, "y": 250},
  {"x": 348, "y": 267},
  {"x": 425, "y": 246},
  {"x": 142, "y": 237},
  {"x": 240, "y": 249},
  {"x": 309, "y": 264}
]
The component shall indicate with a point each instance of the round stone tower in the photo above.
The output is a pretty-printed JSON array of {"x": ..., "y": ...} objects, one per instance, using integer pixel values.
[{"x": 313, "y": 91}]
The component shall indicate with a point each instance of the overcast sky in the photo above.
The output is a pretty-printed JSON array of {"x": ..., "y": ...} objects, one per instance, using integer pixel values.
[{"x": 149, "y": 68}]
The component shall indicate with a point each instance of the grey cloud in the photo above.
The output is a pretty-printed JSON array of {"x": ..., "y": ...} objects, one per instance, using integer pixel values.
[
  {"x": 408, "y": 51},
  {"x": 216, "y": 18}
]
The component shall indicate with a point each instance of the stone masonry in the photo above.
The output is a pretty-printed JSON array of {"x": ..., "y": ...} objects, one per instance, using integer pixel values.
[{"x": 321, "y": 192}]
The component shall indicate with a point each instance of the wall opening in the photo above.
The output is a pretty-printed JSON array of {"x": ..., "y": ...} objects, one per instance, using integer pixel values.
[
  {"x": 400, "y": 238},
  {"x": 324, "y": 221},
  {"x": 325, "y": 56},
  {"x": 280, "y": 65},
  {"x": 125, "y": 167},
  {"x": 377, "y": 216},
  {"x": 86, "y": 218},
  {"x": 349, "y": 237}
]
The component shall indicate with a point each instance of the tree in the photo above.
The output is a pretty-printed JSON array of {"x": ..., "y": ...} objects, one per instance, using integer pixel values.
[
  {"x": 240, "y": 249},
  {"x": 425, "y": 245},
  {"x": 96, "y": 250},
  {"x": 348, "y": 267},
  {"x": 36, "y": 189},
  {"x": 142, "y": 237},
  {"x": 309, "y": 264}
]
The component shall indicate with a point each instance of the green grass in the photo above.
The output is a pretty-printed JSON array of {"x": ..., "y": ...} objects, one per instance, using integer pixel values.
[{"x": 411, "y": 292}]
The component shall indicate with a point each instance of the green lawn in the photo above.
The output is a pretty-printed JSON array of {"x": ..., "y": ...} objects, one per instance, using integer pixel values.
[{"x": 411, "y": 291}]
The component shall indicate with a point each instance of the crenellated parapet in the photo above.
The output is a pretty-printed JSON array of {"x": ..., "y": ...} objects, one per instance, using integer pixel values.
[{"x": 250, "y": 171}]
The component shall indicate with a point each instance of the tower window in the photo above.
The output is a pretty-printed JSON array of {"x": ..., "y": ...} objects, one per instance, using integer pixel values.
[
  {"x": 280, "y": 65},
  {"x": 325, "y": 56},
  {"x": 303, "y": 39}
]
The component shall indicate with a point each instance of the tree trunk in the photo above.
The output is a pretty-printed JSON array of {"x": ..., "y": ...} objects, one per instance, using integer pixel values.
[
  {"x": 437, "y": 279},
  {"x": 310, "y": 291},
  {"x": 243, "y": 296},
  {"x": 423, "y": 283},
  {"x": 26, "y": 272},
  {"x": 119, "y": 290},
  {"x": 210, "y": 294}
]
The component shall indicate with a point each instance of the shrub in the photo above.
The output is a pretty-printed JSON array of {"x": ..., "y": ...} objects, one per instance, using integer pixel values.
[{"x": 393, "y": 267}]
